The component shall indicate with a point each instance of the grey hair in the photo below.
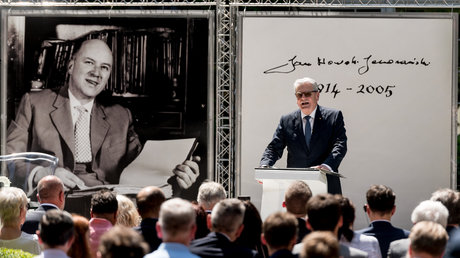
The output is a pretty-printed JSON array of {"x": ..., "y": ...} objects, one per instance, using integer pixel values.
[
  {"x": 210, "y": 193},
  {"x": 430, "y": 211},
  {"x": 176, "y": 216},
  {"x": 227, "y": 215},
  {"x": 306, "y": 80}
]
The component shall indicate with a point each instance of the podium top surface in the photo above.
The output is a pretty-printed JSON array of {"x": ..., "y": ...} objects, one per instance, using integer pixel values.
[{"x": 291, "y": 173}]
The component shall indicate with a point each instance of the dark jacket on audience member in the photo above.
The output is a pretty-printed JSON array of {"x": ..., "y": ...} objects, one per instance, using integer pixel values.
[
  {"x": 303, "y": 230},
  {"x": 218, "y": 245},
  {"x": 283, "y": 253},
  {"x": 149, "y": 232},
  {"x": 33, "y": 218},
  {"x": 385, "y": 233}
]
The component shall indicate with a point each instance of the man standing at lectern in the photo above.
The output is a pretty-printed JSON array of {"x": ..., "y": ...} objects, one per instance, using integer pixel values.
[{"x": 314, "y": 135}]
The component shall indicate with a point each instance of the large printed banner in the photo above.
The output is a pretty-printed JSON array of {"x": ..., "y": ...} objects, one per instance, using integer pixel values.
[{"x": 393, "y": 78}]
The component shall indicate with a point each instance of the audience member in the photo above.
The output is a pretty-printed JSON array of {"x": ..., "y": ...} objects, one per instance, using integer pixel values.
[
  {"x": 202, "y": 229},
  {"x": 56, "y": 234},
  {"x": 295, "y": 200},
  {"x": 348, "y": 237},
  {"x": 13, "y": 209},
  {"x": 324, "y": 214},
  {"x": 209, "y": 194},
  {"x": 250, "y": 236},
  {"x": 80, "y": 245},
  {"x": 104, "y": 208},
  {"x": 127, "y": 214},
  {"x": 176, "y": 227},
  {"x": 149, "y": 200},
  {"x": 279, "y": 234},
  {"x": 320, "y": 244},
  {"x": 451, "y": 199},
  {"x": 380, "y": 208},
  {"x": 453, "y": 245},
  {"x": 226, "y": 223},
  {"x": 122, "y": 242},
  {"x": 50, "y": 195},
  {"x": 426, "y": 211},
  {"x": 427, "y": 239}
]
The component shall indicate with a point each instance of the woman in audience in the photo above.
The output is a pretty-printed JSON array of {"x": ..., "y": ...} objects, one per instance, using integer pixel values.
[
  {"x": 127, "y": 214},
  {"x": 348, "y": 237},
  {"x": 80, "y": 245},
  {"x": 13, "y": 209},
  {"x": 250, "y": 236}
]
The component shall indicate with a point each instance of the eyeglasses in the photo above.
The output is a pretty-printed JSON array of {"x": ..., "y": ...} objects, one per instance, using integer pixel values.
[{"x": 306, "y": 94}]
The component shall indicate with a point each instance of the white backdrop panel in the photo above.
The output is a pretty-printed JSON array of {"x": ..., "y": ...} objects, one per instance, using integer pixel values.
[{"x": 391, "y": 76}]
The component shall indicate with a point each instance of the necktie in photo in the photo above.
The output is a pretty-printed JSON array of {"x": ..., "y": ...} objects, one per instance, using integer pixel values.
[
  {"x": 307, "y": 130},
  {"x": 82, "y": 137}
]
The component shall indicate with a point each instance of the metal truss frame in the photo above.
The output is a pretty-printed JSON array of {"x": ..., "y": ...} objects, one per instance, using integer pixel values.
[{"x": 225, "y": 55}]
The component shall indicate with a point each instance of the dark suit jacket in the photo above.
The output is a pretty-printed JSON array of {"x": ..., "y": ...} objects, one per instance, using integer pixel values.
[
  {"x": 453, "y": 245},
  {"x": 218, "y": 245},
  {"x": 44, "y": 124},
  {"x": 328, "y": 143},
  {"x": 303, "y": 230},
  {"x": 33, "y": 218},
  {"x": 148, "y": 230},
  {"x": 385, "y": 234},
  {"x": 283, "y": 253}
]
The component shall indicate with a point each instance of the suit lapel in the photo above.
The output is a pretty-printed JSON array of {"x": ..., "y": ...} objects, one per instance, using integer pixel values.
[
  {"x": 317, "y": 125},
  {"x": 99, "y": 127},
  {"x": 62, "y": 118}
]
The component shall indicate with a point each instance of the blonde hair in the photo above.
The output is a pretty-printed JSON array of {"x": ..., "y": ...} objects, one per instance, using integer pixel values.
[
  {"x": 12, "y": 201},
  {"x": 127, "y": 214}
]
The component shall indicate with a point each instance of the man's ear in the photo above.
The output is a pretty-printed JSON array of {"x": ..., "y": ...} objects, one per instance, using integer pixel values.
[
  {"x": 393, "y": 210},
  {"x": 240, "y": 229},
  {"x": 40, "y": 241},
  {"x": 208, "y": 222},
  {"x": 158, "y": 228},
  {"x": 70, "y": 65},
  {"x": 262, "y": 239},
  {"x": 309, "y": 225}
]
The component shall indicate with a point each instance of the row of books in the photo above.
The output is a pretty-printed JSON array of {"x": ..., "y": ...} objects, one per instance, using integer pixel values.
[{"x": 143, "y": 60}]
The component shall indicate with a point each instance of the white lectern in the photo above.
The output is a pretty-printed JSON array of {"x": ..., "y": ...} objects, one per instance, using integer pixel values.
[{"x": 277, "y": 180}]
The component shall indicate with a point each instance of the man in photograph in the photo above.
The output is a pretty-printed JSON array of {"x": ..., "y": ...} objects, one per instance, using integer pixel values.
[
  {"x": 314, "y": 135},
  {"x": 94, "y": 141}
]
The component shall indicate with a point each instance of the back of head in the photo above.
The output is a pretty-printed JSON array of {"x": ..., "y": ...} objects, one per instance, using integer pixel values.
[
  {"x": 149, "y": 200},
  {"x": 127, "y": 212},
  {"x": 122, "y": 242},
  {"x": 104, "y": 202},
  {"x": 209, "y": 194},
  {"x": 227, "y": 216},
  {"x": 49, "y": 189},
  {"x": 56, "y": 228},
  {"x": 279, "y": 229},
  {"x": 12, "y": 201},
  {"x": 296, "y": 198},
  {"x": 250, "y": 236},
  {"x": 348, "y": 215},
  {"x": 380, "y": 198},
  {"x": 428, "y": 237},
  {"x": 320, "y": 244},
  {"x": 323, "y": 212},
  {"x": 177, "y": 217},
  {"x": 451, "y": 199},
  {"x": 430, "y": 211},
  {"x": 80, "y": 245}
]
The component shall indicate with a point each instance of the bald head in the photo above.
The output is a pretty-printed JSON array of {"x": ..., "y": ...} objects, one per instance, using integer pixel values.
[
  {"x": 50, "y": 189},
  {"x": 149, "y": 200}
]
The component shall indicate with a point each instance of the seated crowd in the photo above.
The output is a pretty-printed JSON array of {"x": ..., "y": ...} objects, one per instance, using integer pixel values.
[{"x": 151, "y": 226}]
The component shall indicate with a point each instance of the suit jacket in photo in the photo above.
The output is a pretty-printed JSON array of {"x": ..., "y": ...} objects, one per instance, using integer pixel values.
[
  {"x": 218, "y": 245},
  {"x": 328, "y": 144},
  {"x": 33, "y": 218},
  {"x": 148, "y": 230},
  {"x": 44, "y": 124},
  {"x": 385, "y": 234}
]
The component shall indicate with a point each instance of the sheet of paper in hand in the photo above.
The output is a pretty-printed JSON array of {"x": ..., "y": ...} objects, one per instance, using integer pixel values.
[{"x": 155, "y": 163}]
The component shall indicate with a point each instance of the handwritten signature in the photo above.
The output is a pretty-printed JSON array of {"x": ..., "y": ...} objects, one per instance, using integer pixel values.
[{"x": 292, "y": 64}]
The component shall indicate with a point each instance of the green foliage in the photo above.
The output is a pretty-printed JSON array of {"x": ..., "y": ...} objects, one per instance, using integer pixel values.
[{"x": 14, "y": 253}]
